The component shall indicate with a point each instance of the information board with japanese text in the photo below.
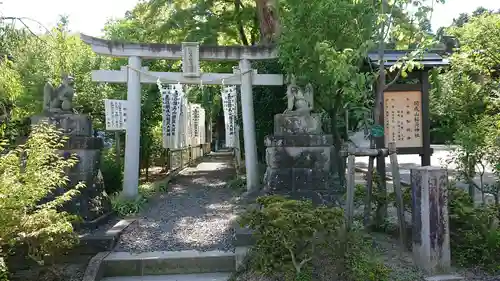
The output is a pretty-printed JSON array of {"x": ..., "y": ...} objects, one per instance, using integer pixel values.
[
  {"x": 403, "y": 118},
  {"x": 116, "y": 114}
]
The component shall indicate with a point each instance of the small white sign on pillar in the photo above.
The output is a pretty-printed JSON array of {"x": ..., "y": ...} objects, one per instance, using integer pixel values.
[
  {"x": 116, "y": 114},
  {"x": 191, "y": 59}
]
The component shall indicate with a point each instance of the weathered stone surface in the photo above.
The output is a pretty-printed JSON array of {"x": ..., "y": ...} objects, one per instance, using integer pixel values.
[
  {"x": 71, "y": 124},
  {"x": 297, "y": 124},
  {"x": 317, "y": 158},
  {"x": 81, "y": 142},
  {"x": 94, "y": 270},
  {"x": 298, "y": 140},
  {"x": 298, "y": 158},
  {"x": 297, "y": 179},
  {"x": 430, "y": 229}
]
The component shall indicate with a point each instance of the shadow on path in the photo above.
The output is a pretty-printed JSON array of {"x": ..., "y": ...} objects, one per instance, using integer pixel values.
[{"x": 195, "y": 214}]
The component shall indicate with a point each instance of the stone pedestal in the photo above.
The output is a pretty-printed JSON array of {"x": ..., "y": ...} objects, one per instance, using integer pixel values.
[
  {"x": 92, "y": 203},
  {"x": 431, "y": 236},
  {"x": 298, "y": 158}
]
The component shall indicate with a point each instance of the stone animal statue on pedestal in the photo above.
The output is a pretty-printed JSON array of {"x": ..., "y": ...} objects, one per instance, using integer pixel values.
[
  {"x": 59, "y": 99},
  {"x": 299, "y": 100}
]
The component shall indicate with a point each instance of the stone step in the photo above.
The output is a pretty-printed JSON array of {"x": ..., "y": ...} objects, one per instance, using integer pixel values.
[
  {"x": 118, "y": 264},
  {"x": 178, "y": 277}
]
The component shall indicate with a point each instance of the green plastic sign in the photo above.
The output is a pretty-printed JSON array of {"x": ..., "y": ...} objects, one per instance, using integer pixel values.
[{"x": 377, "y": 131}]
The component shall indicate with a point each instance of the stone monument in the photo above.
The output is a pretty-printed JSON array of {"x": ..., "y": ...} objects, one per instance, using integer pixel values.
[
  {"x": 430, "y": 222},
  {"x": 298, "y": 155},
  {"x": 92, "y": 204}
]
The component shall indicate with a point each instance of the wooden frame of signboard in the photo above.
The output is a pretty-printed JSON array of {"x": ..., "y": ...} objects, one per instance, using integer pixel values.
[{"x": 409, "y": 126}]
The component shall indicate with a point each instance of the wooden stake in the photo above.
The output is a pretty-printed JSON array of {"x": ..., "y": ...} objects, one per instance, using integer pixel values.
[
  {"x": 349, "y": 209},
  {"x": 396, "y": 181},
  {"x": 369, "y": 192}
]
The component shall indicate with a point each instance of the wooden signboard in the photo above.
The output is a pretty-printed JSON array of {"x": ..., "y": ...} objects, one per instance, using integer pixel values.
[{"x": 403, "y": 118}]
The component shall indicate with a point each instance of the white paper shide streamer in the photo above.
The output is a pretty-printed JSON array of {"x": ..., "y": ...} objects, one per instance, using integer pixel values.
[
  {"x": 116, "y": 114},
  {"x": 229, "y": 106}
]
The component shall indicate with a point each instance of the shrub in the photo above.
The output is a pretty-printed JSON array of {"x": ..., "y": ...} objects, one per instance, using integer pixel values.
[
  {"x": 291, "y": 233},
  {"x": 126, "y": 207},
  {"x": 238, "y": 184},
  {"x": 474, "y": 233},
  {"x": 4, "y": 273},
  {"x": 112, "y": 171},
  {"x": 29, "y": 174}
]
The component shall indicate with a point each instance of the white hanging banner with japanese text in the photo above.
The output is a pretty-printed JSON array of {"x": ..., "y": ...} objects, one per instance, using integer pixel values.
[
  {"x": 116, "y": 114},
  {"x": 229, "y": 105},
  {"x": 195, "y": 124},
  {"x": 171, "y": 96},
  {"x": 202, "y": 126}
]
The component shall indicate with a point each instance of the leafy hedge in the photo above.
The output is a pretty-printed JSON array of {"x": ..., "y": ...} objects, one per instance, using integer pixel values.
[{"x": 292, "y": 234}]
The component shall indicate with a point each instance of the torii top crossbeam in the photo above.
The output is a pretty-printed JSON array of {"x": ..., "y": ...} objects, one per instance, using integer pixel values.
[{"x": 174, "y": 51}]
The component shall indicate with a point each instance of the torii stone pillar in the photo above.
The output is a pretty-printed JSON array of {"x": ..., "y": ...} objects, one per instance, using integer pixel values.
[
  {"x": 133, "y": 132},
  {"x": 247, "y": 112}
]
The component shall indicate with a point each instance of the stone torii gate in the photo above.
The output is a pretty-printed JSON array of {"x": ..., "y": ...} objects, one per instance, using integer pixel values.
[{"x": 134, "y": 75}]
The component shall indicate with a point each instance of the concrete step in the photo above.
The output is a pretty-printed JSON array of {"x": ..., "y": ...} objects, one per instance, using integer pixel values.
[
  {"x": 178, "y": 277},
  {"x": 118, "y": 264}
]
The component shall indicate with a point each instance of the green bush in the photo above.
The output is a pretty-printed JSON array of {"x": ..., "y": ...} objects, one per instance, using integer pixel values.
[
  {"x": 28, "y": 175},
  {"x": 238, "y": 184},
  {"x": 290, "y": 234},
  {"x": 112, "y": 172},
  {"x": 474, "y": 233},
  {"x": 4, "y": 273},
  {"x": 126, "y": 207}
]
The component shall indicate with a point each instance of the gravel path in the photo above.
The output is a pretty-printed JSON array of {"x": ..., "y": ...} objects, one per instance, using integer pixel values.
[{"x": 195, "y": 214}]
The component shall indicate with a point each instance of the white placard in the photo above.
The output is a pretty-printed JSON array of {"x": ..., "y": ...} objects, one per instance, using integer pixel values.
[
  {"x": 191, "y": 59},
  {"x": 116, "y": 114},
  {"x": 229, "y": 104}
]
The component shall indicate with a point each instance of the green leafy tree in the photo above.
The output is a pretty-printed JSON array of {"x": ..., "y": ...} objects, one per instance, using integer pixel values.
[
  {"x": 329, "y": 58},
  {"x": 29, "y": 175},
  {"x": 465, "y": 99}
]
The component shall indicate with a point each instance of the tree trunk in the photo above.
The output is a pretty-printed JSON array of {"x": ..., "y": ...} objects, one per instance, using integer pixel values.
[
  {"x": 381, "y": 213},
  {"x": 338, "y": 169},
  {"x": 237, "y": 8},
  {"x": 267, "y": 13}
]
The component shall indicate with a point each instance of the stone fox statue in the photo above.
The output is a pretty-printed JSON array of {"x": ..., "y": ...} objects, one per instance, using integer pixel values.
[
  {"x": 298, "y": 100},
  {"x": 60, "y": 98}
]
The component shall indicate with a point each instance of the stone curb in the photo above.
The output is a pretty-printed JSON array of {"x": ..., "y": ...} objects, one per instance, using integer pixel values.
[
  {"x": 93, "y": 244},
  {"x": 449, "y": 277},
  {"x": 94, "y": 223},
  {"x": 94, "y": 269},
  {"x": 118, "y": 264},
  {"x": 107, "y": 242}
]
